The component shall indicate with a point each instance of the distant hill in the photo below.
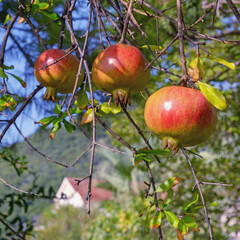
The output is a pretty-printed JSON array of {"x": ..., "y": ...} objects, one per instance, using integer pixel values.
[{"x": 65, "y": 148}]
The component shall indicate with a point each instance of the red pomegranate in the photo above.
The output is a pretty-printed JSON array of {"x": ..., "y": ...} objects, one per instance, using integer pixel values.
[
  {"x": 57, "y": 73},
  {"x": 119, "y": 70},
  {"x": 180, "y": 116}
]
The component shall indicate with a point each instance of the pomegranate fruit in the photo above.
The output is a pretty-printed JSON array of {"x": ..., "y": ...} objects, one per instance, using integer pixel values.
[
  {"x": 180, "y": 116},
  {"x": 57, "y": 73},
  {"x": 119, "y": 70}
]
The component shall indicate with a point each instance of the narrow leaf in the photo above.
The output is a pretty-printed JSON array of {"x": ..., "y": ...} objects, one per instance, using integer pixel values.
[
  {"x": 56, "y": 127},
  {"x": 153, "y": 47},
  {"x": 19, "y": 79},
  {"x": 3, "y": 74},
  {"x": 213, "y": 95},
  {"x": 186, "y": 206},
  {"x": 8, "y": 67},
  {"x": 221, "y": 61},
  {"x": 169, "y": 183},
  {"x": 162, "y": 152},
  {"x": 172, "y": 218},
  {"x": 46, "y": 120},
  {"x": 182, "y": 227}
]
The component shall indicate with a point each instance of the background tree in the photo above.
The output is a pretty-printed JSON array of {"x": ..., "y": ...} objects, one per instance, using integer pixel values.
[{"x": 184, "y": 42}]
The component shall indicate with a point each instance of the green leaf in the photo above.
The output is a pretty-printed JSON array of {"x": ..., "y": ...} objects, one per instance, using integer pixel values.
[
  {"x": 187, "y": 205},
  {"x": 110, "y": 109},
  {"x": 34, "y": 9},
  {"x": 75, "y": 110},
  {"x": 47, "y": 120},
  {"x": 19, "y": 79},
  {"x": 153, "y": 47},
  {"x": 213, "y": 95},
  {"x": 7, "y": 19},
  {"x": 163, "y": 152},
  {"x": 43, "y": 5},
  {"x": 190, "y": 222},
  {"x": 213, "y": 204},
  {"x": 8, "y": 67},
  {"x": 56, "y": 127},
  {"x": 139, "y": 158},
  {"x": 221, "y": 61},
  {"x": 68, "y": 126},
  {"x": 196, "y": 69},
  {"x": 82, "y": 99},
  {"x": 57, "y": 109},
  {"x": 52, "y": 16},
  {"x": 182, "y": 227},
  {"x": 172, "y": 218},
  {"x": 169, "y": 198},
  {"x": 3, "y": 74},
  {"x": 169, "y": 183},
  {"x": 87, "y": 116},
  {"x": 155, "y": 222}
]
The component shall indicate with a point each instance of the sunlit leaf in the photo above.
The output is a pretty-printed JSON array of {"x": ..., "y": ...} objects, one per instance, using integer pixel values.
[
  {"x": 196, "y": 69},
  {"x": 43, "y": 5},
  {"x": 82, "y": 99},
  {"x": 7, "y": 19},
  {"x": 68, "y": 126},
  {"x": 214, "y": 96},
  {"x": 169, "y": 183},
  {"x": 21, "y": 20},
  {"x": 172, "y": 218},
  {"x": 189, "y": 221},
  {"x": 139, "y": 158},
  {"x": 87, "y": 116},
  {"x": 221, "y": 61},
  {"x": 110, "y": 109},
  {"x": 153, "y": 47},
  {"x": 155, "y": 222}
]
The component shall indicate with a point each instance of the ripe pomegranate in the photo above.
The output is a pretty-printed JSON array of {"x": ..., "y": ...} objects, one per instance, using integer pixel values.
[
  {"x": 57, "y": 73},
  {"x": 119, "y": 70},
  {"x": 180, "y": 116}
]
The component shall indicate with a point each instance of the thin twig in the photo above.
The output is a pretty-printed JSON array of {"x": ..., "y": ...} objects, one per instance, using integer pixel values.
[
  {"x": 15, "y": 116},
  {"x": 125, "y": 27},
  {"x": 234, "y": 9},
  {"x": 197, "y": 182},
  {"x": 11, "y": 229},
  {"x": 181, "y": 45}
]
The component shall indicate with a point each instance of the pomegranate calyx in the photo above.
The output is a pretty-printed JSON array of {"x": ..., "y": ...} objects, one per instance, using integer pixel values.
[
  {"x": 170, "y": 143},
  {"x": 121, "y": 97},
  {"x": 50, "y": 94}
]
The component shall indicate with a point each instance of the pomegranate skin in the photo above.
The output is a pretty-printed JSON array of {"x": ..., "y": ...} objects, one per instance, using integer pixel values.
[
  {"x": 59, "y": 77},
  {"x": 180, "y": 116},
  {"x": 119, "y": 70}
]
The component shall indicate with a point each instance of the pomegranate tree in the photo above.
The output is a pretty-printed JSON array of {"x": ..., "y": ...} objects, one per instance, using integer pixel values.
[
  {"x": 180, "y": 116},
  {"x": 120, "y": 70},
  {"x": 57, "y": 72}
]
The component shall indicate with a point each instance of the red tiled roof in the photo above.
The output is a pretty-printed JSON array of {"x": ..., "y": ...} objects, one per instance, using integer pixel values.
[{"x": 98, "y": 194}]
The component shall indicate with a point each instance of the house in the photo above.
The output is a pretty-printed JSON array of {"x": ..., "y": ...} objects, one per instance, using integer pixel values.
[{"x": 73, "y": 193}]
